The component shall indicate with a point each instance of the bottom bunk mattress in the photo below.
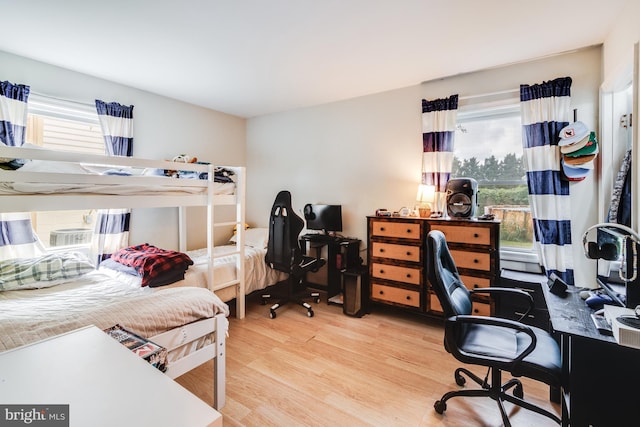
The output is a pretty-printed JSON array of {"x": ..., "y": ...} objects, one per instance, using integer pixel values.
[
  {"x": 102, "y": 300},
  {"x": 257, "y": 273}
]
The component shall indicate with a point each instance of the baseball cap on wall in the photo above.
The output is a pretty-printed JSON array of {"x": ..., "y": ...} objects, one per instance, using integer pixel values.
[
  {"x": 590, "y": 147},
  {"x": 580, "y": 162},
  {"x": 573, "y": 133},
  {"x": 574, "y": 173}
]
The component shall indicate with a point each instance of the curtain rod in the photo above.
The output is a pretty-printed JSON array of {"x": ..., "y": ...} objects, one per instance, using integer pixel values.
[
  {"x": 489, "y": 94},
  {"x": 55, "y": 98}
]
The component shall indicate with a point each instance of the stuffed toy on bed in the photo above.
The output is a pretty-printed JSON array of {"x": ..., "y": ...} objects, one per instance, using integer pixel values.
[{"x": 181, "y": 158}]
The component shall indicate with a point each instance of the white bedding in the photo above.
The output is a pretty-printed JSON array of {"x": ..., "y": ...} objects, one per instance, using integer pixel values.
[
  {"x": 10, "y": 188},
  {"x": 103, "y": 300},
  {"x": 258, "y": 275},
  {"x": 49, "y": 177}
]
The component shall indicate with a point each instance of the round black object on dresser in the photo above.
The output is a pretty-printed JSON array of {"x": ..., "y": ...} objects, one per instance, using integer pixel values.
[{"x": 462, "y": 197}]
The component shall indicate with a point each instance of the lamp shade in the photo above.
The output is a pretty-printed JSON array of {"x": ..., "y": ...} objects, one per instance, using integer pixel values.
[{"x": 426, "y": 193}]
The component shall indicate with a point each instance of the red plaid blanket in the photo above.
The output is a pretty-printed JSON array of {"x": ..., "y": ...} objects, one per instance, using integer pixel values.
[{"x": 151, "y": 262}]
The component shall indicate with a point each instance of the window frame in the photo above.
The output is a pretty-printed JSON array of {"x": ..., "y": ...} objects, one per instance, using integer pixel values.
[
  {"x": 43, "y": 107},
  {"x": 496, "y": 106}
]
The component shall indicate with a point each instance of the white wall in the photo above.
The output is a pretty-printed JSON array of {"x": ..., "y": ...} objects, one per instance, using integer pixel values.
[
  {"x": 365, "y": 153},
  {"x": 619, "y": 64},
  {"x": 618, "y": 45},
  {"x": 163, "y": 128}
]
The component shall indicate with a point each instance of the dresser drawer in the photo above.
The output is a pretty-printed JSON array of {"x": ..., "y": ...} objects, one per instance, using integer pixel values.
[
  {"x": 400, "y": 230},
  {"x": 468, "y": 235},
  {"x": 471, "y": 260},
  {"x": 475, "y": 282},
  {"x": 395, "y": 295},
  {"x": 393, "y": 251},
  {"x": 479, "y": 309},
  {"x": 397, "y": 273}
]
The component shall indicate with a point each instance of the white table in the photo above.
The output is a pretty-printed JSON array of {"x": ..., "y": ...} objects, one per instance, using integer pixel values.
[{"x": 103, "y": 383}]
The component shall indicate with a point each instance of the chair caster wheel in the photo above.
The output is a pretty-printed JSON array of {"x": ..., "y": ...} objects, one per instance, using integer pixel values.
[
  {"x": 317, "y": 300},
  {"x": 518, "y": 391},
  {"x": 272, "y": 314},
  {"x": 310, "y": 313},
  {"x": 440, "y": 406}
]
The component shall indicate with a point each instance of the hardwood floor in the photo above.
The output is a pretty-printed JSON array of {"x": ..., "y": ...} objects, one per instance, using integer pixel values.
[{"x": 384, "y": 369}]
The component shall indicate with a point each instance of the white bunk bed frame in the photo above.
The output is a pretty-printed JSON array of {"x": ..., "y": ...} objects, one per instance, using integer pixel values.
[{"x": 178, "y": 337}]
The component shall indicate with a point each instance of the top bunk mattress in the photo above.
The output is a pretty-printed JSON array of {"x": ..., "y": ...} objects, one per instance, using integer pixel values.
[{"x": 51, "y": 173}]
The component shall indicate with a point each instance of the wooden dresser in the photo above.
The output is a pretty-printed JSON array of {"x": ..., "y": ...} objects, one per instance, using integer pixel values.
[{"x": 397, "y": 263}]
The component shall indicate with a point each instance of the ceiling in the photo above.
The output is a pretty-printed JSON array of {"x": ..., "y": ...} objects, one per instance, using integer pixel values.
[{"x": 255, "y": 57}]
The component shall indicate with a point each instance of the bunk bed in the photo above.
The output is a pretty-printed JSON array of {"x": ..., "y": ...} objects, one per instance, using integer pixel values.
[{"x": 65, "y": 181}]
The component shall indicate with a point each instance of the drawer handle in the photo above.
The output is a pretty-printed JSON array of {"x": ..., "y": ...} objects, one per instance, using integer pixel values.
[
  {"x": 408, "y": 275},
  {"x": 381, "y": 271},
  {"x": 475, "y": 285},
  {"x": 408, "y": 297},
  {"x": 476, "y": 235},
  {"x": 408, "y": 231},
  {"x": 381, "y": 292},
  {"x": 381, "y": 250},
  {"x": 476, "y": 261},
  {"x": 381, "y": 228},
  {"x": 408, "y": 253}
]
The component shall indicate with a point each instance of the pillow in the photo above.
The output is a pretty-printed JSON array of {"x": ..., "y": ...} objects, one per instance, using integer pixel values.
[
  {"x": 42, "y": 272},
  {"x": 254, "y": 237},
  {"x": 54, "y": 167},
  {"x": 116, "y": 266}
]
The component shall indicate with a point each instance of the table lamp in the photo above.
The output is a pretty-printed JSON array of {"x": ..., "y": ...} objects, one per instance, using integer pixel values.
[{"x": 426, "y": 195}]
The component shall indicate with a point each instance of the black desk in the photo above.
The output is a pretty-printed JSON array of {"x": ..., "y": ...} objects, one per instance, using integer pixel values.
[
  {"x": 596, "y": 370},
  {"x": 342, "y": 254}
]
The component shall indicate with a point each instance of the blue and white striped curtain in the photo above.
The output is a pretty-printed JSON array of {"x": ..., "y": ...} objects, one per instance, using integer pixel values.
[
  {"x": 545, "y": 110},
  {"x": 17, "y": 238},
  {"x": 439, "y": 118},
  {"x": 13, "y": 113},
  {"x": 112, "y": 225},
  {"x": 110, "y": 234},
  {"x": 116, "y": 122}
]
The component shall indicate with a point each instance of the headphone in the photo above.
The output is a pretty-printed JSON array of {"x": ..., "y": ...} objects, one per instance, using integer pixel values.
[
  {"x": 308, "y": 212},
  {"x": 609, "y": 251}
]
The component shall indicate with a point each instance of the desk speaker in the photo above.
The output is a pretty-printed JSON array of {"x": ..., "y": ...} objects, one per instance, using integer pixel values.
[{"x": 462, "y": 197}]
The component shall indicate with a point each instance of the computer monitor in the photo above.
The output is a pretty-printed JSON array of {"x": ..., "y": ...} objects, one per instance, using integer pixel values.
[{"x": 326, "y": 218}]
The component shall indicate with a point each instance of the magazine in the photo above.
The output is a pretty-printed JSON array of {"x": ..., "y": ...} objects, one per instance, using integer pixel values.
[{"x": 150, "y": 351}]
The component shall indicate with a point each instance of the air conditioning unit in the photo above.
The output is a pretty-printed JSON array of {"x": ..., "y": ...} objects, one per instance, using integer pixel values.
[{"x": 70, "y": 236}]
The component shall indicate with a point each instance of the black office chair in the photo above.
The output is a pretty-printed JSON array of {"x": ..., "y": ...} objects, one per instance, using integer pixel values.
[
  {"x": 499, "y": 344},
  {"x": 284, "y": 254}
]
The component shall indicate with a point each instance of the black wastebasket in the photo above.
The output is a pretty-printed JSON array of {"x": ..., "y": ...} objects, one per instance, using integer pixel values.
[{"x": 355, "y": 291}]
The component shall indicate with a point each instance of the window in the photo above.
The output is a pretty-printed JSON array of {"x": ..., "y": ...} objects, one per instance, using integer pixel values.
[
  {"x": 488, "y": 148},
  {"x": 65, "y": 126}
]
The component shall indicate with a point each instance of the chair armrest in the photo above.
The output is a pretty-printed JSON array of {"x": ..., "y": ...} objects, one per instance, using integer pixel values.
[
  {"x": 456, "y": 323},
  {"x": 511, "y": 292}
]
